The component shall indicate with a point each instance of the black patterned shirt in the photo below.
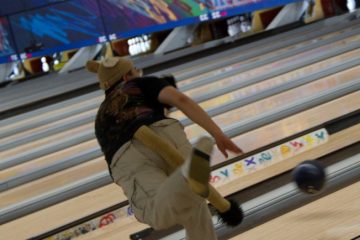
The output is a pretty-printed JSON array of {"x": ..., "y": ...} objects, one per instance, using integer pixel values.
[{"x": 126, "y": 107}]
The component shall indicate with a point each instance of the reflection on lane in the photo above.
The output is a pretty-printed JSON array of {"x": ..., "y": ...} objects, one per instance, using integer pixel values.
[
  {"x": 233, "y": 80},
  {"x": 47, "y": 160},
  {"x": 43, "y": 142},
  {"x": 53, "y": 113},
  {"x": 294, "y": 124},
  {"x": 258, "y": 58},
  {"x": 273, "y": 102},
  {"x": 272, "y": 82},
  {"x": 46, "y": 127}
]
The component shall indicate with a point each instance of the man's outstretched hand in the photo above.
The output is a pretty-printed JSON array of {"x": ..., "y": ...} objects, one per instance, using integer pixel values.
[{"x": 225, "y": 144}]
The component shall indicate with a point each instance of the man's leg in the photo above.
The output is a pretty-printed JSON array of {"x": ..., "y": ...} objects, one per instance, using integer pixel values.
[
  {"x": 158, "y": 199},
  {"x": 175, "y": 201}
]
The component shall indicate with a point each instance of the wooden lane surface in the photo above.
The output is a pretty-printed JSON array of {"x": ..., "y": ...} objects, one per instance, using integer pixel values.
[
  {"x": 46, "y": 160},
  {"x": 239, "y": 64},
  {"x": 31, "y": 146},
  {"x": 49, "y": 183},
  {"x": 94, "y": 201},
  {"x": 62, "y": 213},
  {"x": 247, "y": 91},
  {"x": 49, "y": 126},
  {"x": 269, "y": 104},
  {"x": 47, "y": 85},
  {"x": 271, "y": 83},
  {"x": 213, "y": 103},
  {"x": 228, "y": 81},
  {"x": 100, "y": 98},
  {"x": 122, "y": 228},
  {"x": 225, "y": 119},
  {"x": 62, "y": 104},
  {"x": 53, "y": 113},
  {"x": 194, "y": 130},
  {"x": 285, "y": 37},
  {"x": 248, "y": 141},
  {"x": 337, "y": 141},
  {"x": 234, "y": 55},
  {"x": 335, "y": 216},
  {"x": 237, "y": 115},
  {"x": 294, "y": 124}
]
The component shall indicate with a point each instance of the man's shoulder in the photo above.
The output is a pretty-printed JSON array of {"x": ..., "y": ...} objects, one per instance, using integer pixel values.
[
  {"x": 163, "y": 80},
  {"x": 146, "y": 78}
]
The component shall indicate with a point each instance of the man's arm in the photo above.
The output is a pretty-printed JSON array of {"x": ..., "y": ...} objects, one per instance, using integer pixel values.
[{"x": 171, "y": 96}]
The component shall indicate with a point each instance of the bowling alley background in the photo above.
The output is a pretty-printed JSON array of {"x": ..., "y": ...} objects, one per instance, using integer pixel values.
[{"x": 37, "y": 28}]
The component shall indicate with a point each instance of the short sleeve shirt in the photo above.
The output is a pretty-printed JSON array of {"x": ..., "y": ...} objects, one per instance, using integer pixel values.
[{"x": 127, "y": 107}]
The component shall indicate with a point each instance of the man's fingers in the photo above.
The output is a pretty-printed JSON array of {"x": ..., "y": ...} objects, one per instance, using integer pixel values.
[
  {"x": 223, "y": 151},
  {"x": 228, "y": 145},
  {"x": 236, "y": 149}
]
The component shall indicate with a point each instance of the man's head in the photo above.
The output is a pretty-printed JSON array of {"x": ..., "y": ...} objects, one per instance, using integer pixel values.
[
  {"x": 113, "y": 70},
  {"x": 132, "y": 74}
]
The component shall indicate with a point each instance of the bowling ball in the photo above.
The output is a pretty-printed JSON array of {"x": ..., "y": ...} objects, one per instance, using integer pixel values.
[{"x": 309, "y": 176}]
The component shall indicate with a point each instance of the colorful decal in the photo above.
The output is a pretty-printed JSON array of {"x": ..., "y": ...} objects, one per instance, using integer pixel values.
[
  {"x": 224, "y": 175},
  {"x": 93, "y": 224}
]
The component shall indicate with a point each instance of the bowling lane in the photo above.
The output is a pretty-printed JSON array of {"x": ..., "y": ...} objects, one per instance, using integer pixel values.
[
  {"x": 50, "y": 183},
  {"x": 46, "y": 161},
  {"x": 235, "y": 55},
  {"x": 239, "y": 64},
  {"x": 233, "y": 80},
  {"x": 119, "y": 229},
  {"x": 292, "y": 125},
  {"x": 23, "y": 123},
  {"x": 41, "y": 143},
  {"x": 62, "y": 213},
  {"x": 14, "y": 138},
  {"x": 226, "y": 119},
  {"x": 271, "y": 103},
  {"x": 98, "y": 99},
  {"x": 110, "y": 195},
  {"x": 248, "y": 141},
  {"x": 215, "y": 102},
  {"x": 19, "y": 124},
  {"x": 335, "y": 216},
  {"x": 39, "y": 117},
  {"x": 274, "y": 82}
]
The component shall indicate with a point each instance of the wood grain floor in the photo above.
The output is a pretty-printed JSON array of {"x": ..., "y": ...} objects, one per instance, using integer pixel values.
[{"x": 333, "y": 217}]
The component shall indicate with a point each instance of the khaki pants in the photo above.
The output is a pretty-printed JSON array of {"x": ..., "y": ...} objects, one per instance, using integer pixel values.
[{"x": 159, "y": 197}]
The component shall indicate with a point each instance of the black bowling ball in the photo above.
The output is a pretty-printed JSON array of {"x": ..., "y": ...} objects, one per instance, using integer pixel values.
[{"x": 309, "y": 176}]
